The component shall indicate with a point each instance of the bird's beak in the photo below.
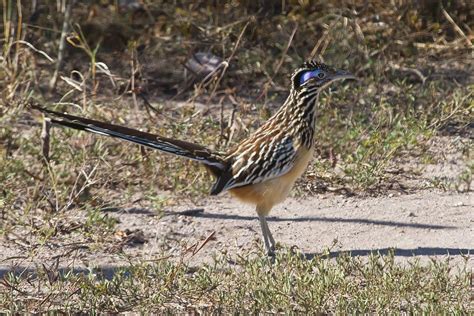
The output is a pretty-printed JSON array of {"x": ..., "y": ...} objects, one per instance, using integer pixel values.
[
  {"x": 338, "y": 75},
  {"x": 342, "y": 75}
]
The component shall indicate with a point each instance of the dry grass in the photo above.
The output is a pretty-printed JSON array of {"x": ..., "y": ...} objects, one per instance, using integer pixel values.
[
  {"x": 252, "y": 284},
  {"x": 416, "y": 70}
]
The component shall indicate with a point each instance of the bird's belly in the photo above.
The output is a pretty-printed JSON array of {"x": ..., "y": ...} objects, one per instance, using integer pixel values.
[{"x": 268, "y": 193}]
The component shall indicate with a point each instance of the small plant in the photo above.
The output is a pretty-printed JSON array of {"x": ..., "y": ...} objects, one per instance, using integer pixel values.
[
  {"x": 414, "y": 64},
  {"x": 292, "y": 283},
  {"x": 78, "y": 40}
]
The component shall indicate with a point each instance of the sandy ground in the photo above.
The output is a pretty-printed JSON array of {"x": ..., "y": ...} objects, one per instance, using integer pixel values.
[
  {"x": 428, "y": 224},
  {"x": 421, "y": 225}
]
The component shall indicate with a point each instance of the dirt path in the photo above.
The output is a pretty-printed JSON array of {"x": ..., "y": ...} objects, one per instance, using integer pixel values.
[
  {"x": 425, "y": 224},
  {"x": 428, "y": 223}
]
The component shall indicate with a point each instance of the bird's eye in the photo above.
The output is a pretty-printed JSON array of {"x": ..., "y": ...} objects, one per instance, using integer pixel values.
[{"x": 305, "y": 76}]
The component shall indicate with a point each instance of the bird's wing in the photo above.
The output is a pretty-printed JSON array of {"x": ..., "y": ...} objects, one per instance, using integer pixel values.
[{"x": 255, "y": 163}]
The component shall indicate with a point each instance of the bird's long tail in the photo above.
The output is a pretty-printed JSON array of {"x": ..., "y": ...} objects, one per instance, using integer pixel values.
[{"x": 173, "y": 146}]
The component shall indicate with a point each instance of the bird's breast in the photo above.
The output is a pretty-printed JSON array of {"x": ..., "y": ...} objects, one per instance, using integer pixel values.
[{"x": 270, "y": 192}]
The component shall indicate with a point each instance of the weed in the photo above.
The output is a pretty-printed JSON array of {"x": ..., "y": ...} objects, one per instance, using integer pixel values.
[
  {"x": 255, "y": 285},
  {"x": 415, "y": 73}
]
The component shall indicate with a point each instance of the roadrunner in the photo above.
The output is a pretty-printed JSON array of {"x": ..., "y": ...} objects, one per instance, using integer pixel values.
[{"x": 261, "y": 169}]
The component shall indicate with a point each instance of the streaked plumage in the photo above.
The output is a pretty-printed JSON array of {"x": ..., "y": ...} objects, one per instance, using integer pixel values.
[{"x": 262, "y": 168}]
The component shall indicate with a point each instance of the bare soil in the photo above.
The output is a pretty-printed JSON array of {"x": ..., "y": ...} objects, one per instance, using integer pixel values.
[{"x": 429, "y": 223}]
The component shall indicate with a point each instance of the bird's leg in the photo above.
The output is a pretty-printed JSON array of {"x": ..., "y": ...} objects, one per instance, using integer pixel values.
[{"x": 268, "y": 240}]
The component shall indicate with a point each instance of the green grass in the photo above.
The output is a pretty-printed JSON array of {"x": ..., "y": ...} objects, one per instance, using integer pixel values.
[
  {"x": 365, "y": 130},
  {"x": 251, "y": 284}
]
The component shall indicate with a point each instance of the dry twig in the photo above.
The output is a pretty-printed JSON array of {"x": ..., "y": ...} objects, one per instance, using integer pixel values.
[
  {"x": 62, "y": 44},
  {"x": 456, "y": 27},
  {"x": 227, "y": 62},
  {"x": 45, "y": 138}
]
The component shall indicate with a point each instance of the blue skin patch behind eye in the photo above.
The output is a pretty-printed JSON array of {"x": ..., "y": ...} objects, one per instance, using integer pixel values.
[{"x": 308, "y": 75}]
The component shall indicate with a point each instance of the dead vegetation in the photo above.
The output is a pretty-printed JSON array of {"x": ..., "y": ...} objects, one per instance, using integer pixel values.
[{"x": 124, "y": 61}]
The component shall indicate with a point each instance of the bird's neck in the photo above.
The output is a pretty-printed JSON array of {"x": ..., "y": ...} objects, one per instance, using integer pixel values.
[{"x": 298, "y": 115}]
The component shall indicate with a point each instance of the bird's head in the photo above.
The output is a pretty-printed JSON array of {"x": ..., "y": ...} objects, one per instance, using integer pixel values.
[{"x": 315, "y": 76}]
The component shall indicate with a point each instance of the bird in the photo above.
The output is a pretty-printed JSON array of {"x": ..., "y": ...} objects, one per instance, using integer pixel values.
[{"x": 262, "y": 168}]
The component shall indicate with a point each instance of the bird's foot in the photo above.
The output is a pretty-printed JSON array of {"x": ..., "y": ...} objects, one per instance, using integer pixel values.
[{"x": 270, "y": 250}]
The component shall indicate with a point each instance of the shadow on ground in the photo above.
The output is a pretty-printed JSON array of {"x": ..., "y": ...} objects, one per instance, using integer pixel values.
[
  {"x": 201, "y": 214},
  {"x": 421, "y": 251},
  {"x": 108, "y": 272}
]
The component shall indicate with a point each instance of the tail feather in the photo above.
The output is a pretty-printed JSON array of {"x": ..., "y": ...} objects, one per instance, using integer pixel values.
[{"x": 173, "y": 146}]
